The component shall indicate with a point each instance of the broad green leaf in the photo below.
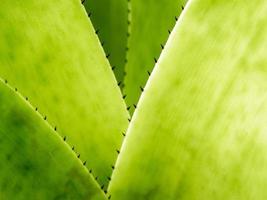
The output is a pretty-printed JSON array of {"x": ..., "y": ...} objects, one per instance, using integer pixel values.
[
  {"x": 109, "y": 18},
  {"x": 150, "y": 22},
  {"x": 50, "y": 52},
  {"x": 200, "y": 131},
  {"x": 35, "y": 162}
]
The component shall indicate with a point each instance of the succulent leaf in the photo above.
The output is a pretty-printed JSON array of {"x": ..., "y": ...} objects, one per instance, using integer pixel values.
[
  {"x": 200, "y": 131},
  {"x": 35, "y": 162},
  {"x": 50, "y": 52}
]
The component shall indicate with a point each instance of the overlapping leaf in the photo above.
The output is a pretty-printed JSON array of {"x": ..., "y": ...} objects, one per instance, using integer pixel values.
[{"x": 35, "y": 162}]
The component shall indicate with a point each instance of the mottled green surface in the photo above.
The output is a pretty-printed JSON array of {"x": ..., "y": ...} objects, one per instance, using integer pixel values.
[
  {"x": 200, "y": 131},
  {"x": 50, "y": 52},
  {"x": 35, "y": 162},
  {"x": 150, "y": 22},
  {"x": 110, "y": 18}
]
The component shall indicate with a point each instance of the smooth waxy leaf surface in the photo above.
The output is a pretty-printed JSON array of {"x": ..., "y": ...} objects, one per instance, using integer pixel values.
[
  {"x": 110, "y": 18},
  {"x": 150, "y": 22},
  {"x": 50, "y": 52},
  {"x": 35, "y": 162},
  {"x": 199, "y": 131}
]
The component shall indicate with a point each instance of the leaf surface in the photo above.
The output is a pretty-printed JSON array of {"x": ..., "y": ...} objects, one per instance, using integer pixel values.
[
  {"x": 50, "y": 52},
  {"x": 200, "y": 131}
]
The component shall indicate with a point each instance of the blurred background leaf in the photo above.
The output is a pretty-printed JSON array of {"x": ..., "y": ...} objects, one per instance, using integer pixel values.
[
  {"x": 109, "y": 18},
  {"x": 150, "y": 24}
]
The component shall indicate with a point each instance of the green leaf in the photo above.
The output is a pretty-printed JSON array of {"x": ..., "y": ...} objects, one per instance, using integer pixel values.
[
  {"x": 35, "y": 162},
  {"x": 151, "y": 21},
  {"x": 200, "y": 131},
  {"x": 110, "y": 17},
  {"x": 50, "y": 52}
]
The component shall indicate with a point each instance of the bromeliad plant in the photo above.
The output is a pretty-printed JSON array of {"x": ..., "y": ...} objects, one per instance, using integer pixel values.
[{"x": 199, "y": 130}]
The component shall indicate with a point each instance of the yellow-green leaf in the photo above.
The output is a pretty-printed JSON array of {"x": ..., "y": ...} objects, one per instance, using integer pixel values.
[{"x": 200, "y": 131}]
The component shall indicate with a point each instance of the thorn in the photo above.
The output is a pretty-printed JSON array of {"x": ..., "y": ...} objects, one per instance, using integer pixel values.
[
  {"x": 118, "y": 151},
  {"x": 45, "y": 117},
  {"x": 128, "y": 108},
  {"x": 36, "y": 109},
  {"x": 124, "y": 96},
  {"x": 109, "y": 196},
  {"x": 176, "y": 18},
  {"x": 83, "y": 1},
  {"x": 113, "y": 67},
  {"x": 162, "y": 46},
  {"x": 89, "y": 15},
  {"x": 142, "y": 89},
  {"x": 96, "y": 178},
  {"x": 107, "y": 55},
  {"x": 102, "y": 44},
  {"x": 55, "y": 128},
  {"x": 26, "y": 98},
  {"x": 78, "y": 156},
  {"x": 169, "y": 31},
  {"x": 128, "y": 10},
  {"x": 123, "y": 134},
  {"x": 129, "y": 120},
  {"x": 148, "y": 73},
  {"x": 127, "y": 48},
  {"x": 84, "y": 163},
  {"x": 72, "y": 148},
  {"x": 5, "y": 81},
  {"x": 105, "y": 191},
  {"x": 134, "y": 106},
  {"x": 112, "y": 167},
  {"x": 155, "y": 60},
  {"x": 90, "y": 171},
  {"x": 102, "y": 187},
  {"x": 97, "y": 31},
  {"x": 109, "y": 178},
  {"x": 64, "y": 138},
  {"x": 16, "y": 89},
  {"x": 128, "y": 34},
  {"x": 182, "y": 7},
  {"x": 125, "y": 60},
  {"x": 128, "y": 22},
  {"x": 119, "y": 83}
]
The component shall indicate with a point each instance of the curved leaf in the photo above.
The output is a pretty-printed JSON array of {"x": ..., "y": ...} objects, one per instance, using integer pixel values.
[
  {"x": 35, "y": 162},
  {"x": 50, "y": 52},
  {"x": 110, "y": 17},
  {"x": 150, "y": 23},
  {"x": 200, "y": 131}
]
